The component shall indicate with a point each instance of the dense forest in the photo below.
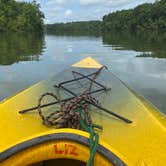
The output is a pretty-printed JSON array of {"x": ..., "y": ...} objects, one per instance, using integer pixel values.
[
  {"x": 147, "y": 17},
  {"x": 75, "y": 28},
  {"x": 20, "y": 16}
]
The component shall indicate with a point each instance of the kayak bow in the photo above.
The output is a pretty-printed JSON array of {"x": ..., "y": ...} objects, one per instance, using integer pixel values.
[{"x": 24, "y": 140}]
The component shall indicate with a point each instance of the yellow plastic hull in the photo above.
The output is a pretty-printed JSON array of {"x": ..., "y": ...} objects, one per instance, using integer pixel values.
[{"x": 25, "y": 140}]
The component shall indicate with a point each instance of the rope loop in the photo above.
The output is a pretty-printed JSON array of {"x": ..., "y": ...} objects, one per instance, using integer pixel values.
[{"x": 46, "y": 120}]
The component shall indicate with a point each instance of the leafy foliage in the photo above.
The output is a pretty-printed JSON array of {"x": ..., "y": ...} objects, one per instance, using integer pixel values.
[
  {"x": 20, "y": 16},
  {"x": 146, "y": 17}
]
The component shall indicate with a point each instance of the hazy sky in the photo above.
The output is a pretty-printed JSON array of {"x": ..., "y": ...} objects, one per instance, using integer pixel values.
[{"x": 79, "y": 10}]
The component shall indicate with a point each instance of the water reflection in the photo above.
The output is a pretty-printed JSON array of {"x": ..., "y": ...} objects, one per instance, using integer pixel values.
[
  {"x": 16, "y": 47},
  {"x": 151, "y": 45},
  {"x": 119, "y": 53}
]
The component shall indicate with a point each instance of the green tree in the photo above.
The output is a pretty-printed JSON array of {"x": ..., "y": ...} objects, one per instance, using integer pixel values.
[
  {"x": 143, "y": 18},
  {"x": 20, "y": 16}
]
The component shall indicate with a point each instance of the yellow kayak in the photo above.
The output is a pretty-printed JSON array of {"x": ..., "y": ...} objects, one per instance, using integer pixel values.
[{"x": 134, "y": 131}]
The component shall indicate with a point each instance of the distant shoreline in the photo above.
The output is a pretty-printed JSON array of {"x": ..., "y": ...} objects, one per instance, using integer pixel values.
[{"x": 148, "y": 18}]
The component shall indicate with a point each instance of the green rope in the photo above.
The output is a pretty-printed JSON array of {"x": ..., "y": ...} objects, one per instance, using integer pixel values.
[{"x": 94, "y": 137}]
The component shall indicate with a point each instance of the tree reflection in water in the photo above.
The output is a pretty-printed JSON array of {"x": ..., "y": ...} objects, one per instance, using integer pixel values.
[
  {"x": 20, "y": 47},
  {"x": 151, "y": 45}
]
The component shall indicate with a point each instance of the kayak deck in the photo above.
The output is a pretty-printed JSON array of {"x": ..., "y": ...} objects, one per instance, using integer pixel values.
[{"x": 142, "y": 142}]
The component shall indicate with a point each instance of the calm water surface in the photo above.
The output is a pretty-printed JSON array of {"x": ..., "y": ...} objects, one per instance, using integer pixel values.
[{"x": 27, "y": 59}]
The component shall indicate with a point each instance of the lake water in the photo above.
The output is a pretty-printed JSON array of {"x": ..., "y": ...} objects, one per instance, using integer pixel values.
[{"x": 27, "y": 59}]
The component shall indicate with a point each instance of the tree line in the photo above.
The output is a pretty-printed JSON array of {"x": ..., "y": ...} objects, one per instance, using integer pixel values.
[
  {"x": 20, "y": 16},
  {"x": 148, "y": 17},
  {"x": 26, "y": 17},
  {"x": 75, "y": 28}
]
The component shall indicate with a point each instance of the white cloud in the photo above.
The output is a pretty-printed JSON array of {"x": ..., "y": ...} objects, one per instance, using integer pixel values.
[
  {"x": 113, "y": 3},
  {"x": 118, "y": 3},
  {"x": 57, "y": 8},
  {"x": 68, "y": 12},
  {"x": 47, "y": 21},
  {"x": 76, "y": 10},
  {"x": 90, "y": 2},
  {"x": 97, "y": 10},
  {"x": 55, "y": 2}
]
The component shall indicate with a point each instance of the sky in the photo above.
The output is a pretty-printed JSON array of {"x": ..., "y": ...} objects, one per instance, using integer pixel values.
[{"x": 82, "y": 10}]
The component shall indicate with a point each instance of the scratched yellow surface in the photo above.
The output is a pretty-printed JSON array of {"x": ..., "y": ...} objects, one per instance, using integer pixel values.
[{"x": 140, "y": 143}]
